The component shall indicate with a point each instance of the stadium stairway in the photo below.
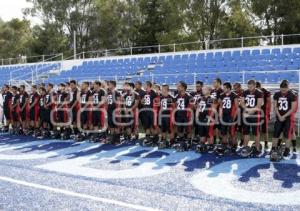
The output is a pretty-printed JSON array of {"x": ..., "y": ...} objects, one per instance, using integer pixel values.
[{"x": 268, "y": 64}]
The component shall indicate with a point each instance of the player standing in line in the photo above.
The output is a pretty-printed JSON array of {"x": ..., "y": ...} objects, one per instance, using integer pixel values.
[
  {"x": 98, "y": 107},
  {"x": 228, "y": 102},
  {"x": 7, "y": 96},
  {"x": 215, "y": 94},
  {"x": 156, "y": 104},
  {"x": 15, "y": 110},
  {"x": 49, "y": 106},
  {"x": 165, "y": 119},
  {"x": 205, "y": 110},
  {"x": 62, "y": 114},
  {"x": 251, "y": 102},
  {"x": 147, "y": 114},
  {"x": 113, "y": 113},
  {"x": 266, "y": 108},
  {"x": 24, "y": 112},
  {"x": 196, "y": 95},
  {"x": 74, "y": 105},
  {"x": 43, "y": 112},
  {"x": 285, "y": 104},
  {"x": 139, "y": 89},
  {"x": 239, "y": 126},
  {"x": 85, "y": 99},
  {"x": 183, "y": 117},
  {"x": 131, "y": 103},
  {"x": 34, "y": 110}
]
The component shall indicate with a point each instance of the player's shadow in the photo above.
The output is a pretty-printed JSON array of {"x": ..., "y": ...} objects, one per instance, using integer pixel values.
[
  {"x": 95, "y": 150},
  {"x": 7, "y": 139},
  {"x": 288, "y": 173},
  {"x": 208, "y": 160},
  {"x": 47, "y": 147}
]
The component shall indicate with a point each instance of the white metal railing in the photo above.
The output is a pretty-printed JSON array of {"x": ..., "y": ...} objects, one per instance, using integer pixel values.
[
  {"x": 33, "y": 75},
  {"x": 189, "y": 46},
  {"x": 174, "y": 47}
]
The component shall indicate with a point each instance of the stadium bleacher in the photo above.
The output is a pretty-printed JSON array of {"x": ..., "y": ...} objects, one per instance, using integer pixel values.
[
  {"x": 266, "y": 64},
  {"x": 24, "y": 71}
]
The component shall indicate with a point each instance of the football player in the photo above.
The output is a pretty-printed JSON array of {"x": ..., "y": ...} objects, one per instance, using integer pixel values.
[
  {"x": 251, "y": 103},
  {"x": 284, "y": 103}
]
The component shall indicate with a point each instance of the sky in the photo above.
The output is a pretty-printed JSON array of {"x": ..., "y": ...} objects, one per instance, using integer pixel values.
[{"x": 10, "y": 9}]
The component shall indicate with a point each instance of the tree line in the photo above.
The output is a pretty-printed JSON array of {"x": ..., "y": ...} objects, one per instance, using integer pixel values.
[{"x": 113, "y": 24}]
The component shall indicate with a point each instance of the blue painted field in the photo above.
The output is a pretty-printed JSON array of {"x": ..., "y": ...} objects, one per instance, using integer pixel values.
[{"x": 64, "y": 175}]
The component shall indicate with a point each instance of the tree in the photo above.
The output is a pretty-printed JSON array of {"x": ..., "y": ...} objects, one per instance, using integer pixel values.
[{"x": 15, "y": 38}]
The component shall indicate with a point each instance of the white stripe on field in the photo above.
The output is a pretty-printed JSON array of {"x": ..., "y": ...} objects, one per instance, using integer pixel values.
[{"x": 75, "y": 194}]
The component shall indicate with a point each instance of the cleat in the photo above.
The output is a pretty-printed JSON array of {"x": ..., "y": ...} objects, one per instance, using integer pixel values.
[
  {"x": 276, "y": 154},
  {"x": 286, "y": 152},
  {"x": 201, "y": 148},
  {"x": 147, "y": 142},
  {"x": 246, "y": 152},
  {"x": 210, "y": 148},
  {"x": 162, "y": 144}
]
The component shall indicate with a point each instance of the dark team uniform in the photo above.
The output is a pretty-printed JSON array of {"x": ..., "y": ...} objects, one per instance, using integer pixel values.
[
  {"x": 147, "y": 112},
  {"x": 34, "y": 111},
  {"x": 284, "y": 105},
  {"x": 130, "y": 99},
  {"x": 165, "y": 114},
  {"x": 97, "y": 116},
  {"x": 183, "y": 112},
  {"x": 73, "y": 104},
  {"x": 112, "y": 105},
  {"x": 252, "y": 122},
  {"x": 42, "y": 103},
  {"x": 215, "y": 95},
  {"x": 204, "y": 108},
  {"x": 62, "y": 116},
  {"x": 7, "y": 97},
  {"x": 196, "y": 95},
  {"x": 266, "y": 108},
  {"x": 85, "y": 113},
  {"x": 23, "y": 113},
  {"x": 228, "y": 112},
  {"x": 15, "y": 108},
  {"x": 48, "y": 106}
]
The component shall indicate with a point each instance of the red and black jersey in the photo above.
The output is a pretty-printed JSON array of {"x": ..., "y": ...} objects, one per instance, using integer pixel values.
[
  {"x": 284, "y": 101},
  {"x": 196, "y": 95},
  {"x": 141, "y": 93},
  {"x": 182, "y": 103},
  {"x": 239, "y": 95},
  {"x": 204, "y": 105},
  {"x": 97, "y": 96},
  {"x": 216, "y": 93},
  {"x": 23, "y": 97},
  {"x": 148, "y": 99},
  {"x": 15, "y": 99},
  {"x": 33, "y": 97},
  {"x": 228, "y": 105},
  {"x": 266, "y": 106},
  {"x": 130, "y": 99},
  {"x": 84, "y": 97},
  {"x": 48, "y": 97},
  {"x": 251, "y": 98},
  {"x": 42, "y": 101},
  {"x": 72, "y": 97},
  {"x": 7, "y": 97},
  {"x": 112, "y": 99},
  {"x": 166, "y": 104},
  {"x": 62, "y": 96}
]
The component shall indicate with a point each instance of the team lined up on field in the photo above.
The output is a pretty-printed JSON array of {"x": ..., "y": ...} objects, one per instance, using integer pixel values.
[{"x": 200, "y": 119}]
